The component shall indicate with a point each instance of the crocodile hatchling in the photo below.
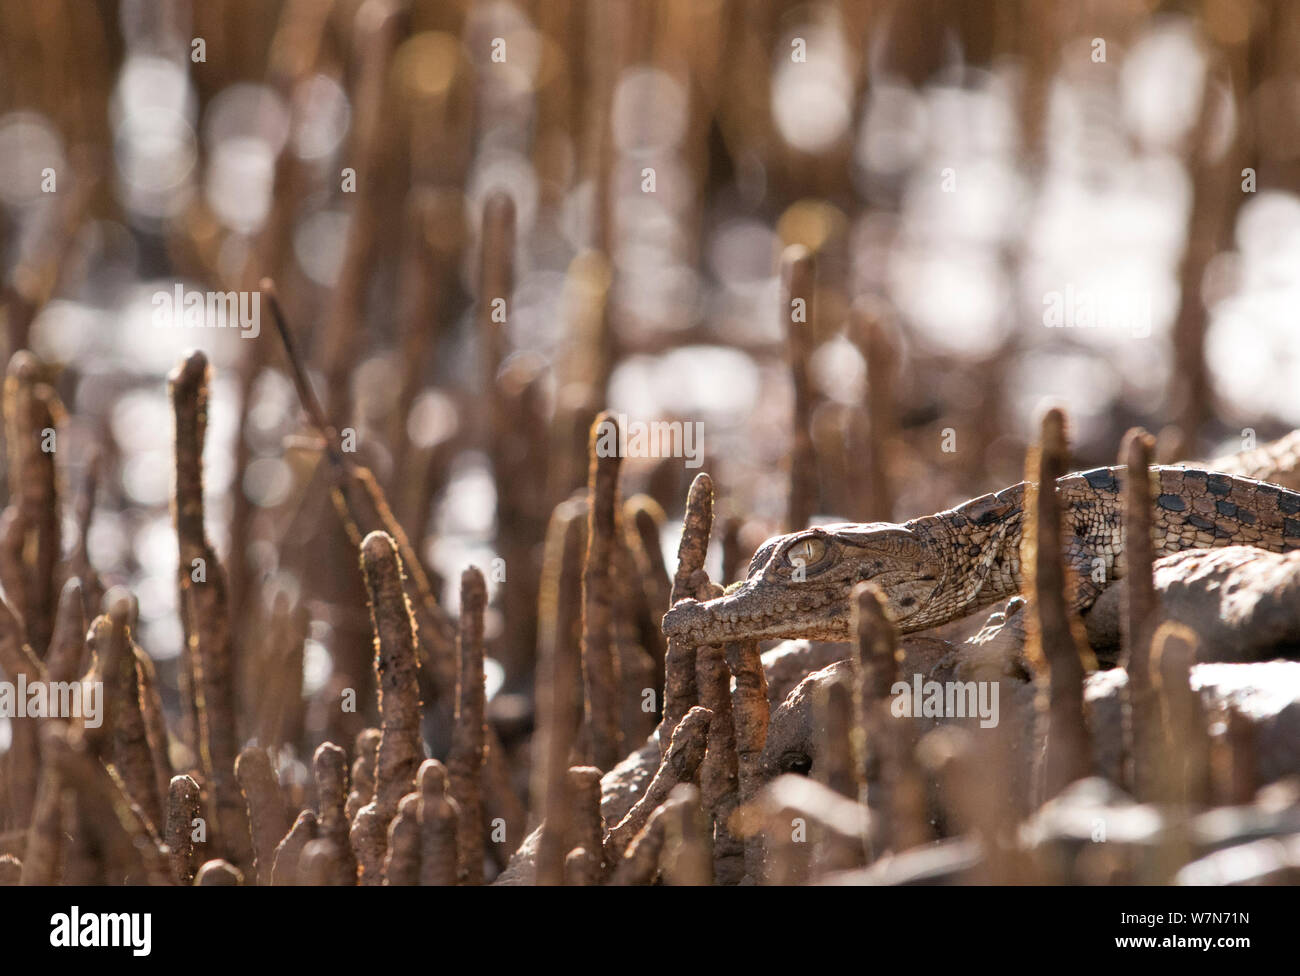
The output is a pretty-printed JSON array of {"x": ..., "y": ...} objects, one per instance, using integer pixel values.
[{"x": 939, "y": 568}]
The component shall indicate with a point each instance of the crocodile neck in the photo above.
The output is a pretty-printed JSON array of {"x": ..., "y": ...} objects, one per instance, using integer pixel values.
[{"x": 978, "y": 545}]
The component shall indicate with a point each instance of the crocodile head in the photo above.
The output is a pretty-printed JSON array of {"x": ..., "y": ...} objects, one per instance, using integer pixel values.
[{"x": 799, "y": 585}]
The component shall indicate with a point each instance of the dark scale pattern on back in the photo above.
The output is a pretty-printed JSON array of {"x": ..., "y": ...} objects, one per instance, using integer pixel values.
[{"x": 1192, "y": 509}]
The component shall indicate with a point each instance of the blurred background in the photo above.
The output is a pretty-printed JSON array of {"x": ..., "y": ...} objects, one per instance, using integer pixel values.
[{"x": 1093, "y": 202}]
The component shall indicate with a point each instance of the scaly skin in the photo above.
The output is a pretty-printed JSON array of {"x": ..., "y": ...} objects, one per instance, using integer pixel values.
[{"x": 939, "y": 568}]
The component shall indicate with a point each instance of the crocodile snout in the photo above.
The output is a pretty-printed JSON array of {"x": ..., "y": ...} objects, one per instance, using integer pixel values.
[{"x": 685, "y": 616}]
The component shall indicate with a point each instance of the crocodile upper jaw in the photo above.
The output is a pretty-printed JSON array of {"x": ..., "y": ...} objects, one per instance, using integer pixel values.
[{"x": 760, "y": 613}]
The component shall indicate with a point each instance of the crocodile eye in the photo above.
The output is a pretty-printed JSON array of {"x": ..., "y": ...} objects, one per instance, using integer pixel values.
[
  {"x": 806, "y": 552},
  {"x": 799, "y": 763}
]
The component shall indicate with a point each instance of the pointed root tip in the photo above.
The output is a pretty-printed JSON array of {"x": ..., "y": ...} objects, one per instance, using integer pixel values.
[
  {"x": 378, "y": 547},
  {"x": 432, "y": 777},
  {"x": 191, "y": 372},
  {"x": 1135, "y": 449},
  {"x": 500, "y": 206},
  {"x": 24, "y": 365},
  {"x": 702, "y": 483},
  {"x": 795, "y": 254},
  {"x": 121, "y": 606}
]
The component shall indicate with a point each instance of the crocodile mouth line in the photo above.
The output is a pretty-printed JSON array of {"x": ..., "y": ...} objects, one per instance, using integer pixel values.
[{"x": 728, "y": 618}]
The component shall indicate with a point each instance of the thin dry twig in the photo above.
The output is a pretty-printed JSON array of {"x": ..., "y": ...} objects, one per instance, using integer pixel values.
[
  {"x": 330, "y": 769},
  {"x": 155, "y": 724},
  {"x": 685, "y": 859},
  {"x": 834, "y": 707},
  {"x": 465, "y": 761},
  {"x": 643, "y": 519},
  {"x": 32, "y": 413},
  {"x": 133, "y": 755},
  {"x": 267, "y": 817},
  {"x": 22, "y": 760},
  {"x": 1138, "y": 619},
  {"x": 182, "y": 812},
  {"x": 377, "y": 32},
  {"x": 680, "y": 689},
  {"x": 719, "y": 776},
  {"x": 797, "y": 312},
  {"x": 876, "y": 337},
  {"x": 750, "y": 713},
  {"x": 209, "y": 655},
  {"x": 599, "y": 662},
  {"x": 45, "y": 836},
  {"x": 397, "y": 668},
  {"x": 1185, "y": 763},
  {"x": 586, "y": 828},
  {"x": 559, "y": 670},
  {"x": 1056, "y": 647}
]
